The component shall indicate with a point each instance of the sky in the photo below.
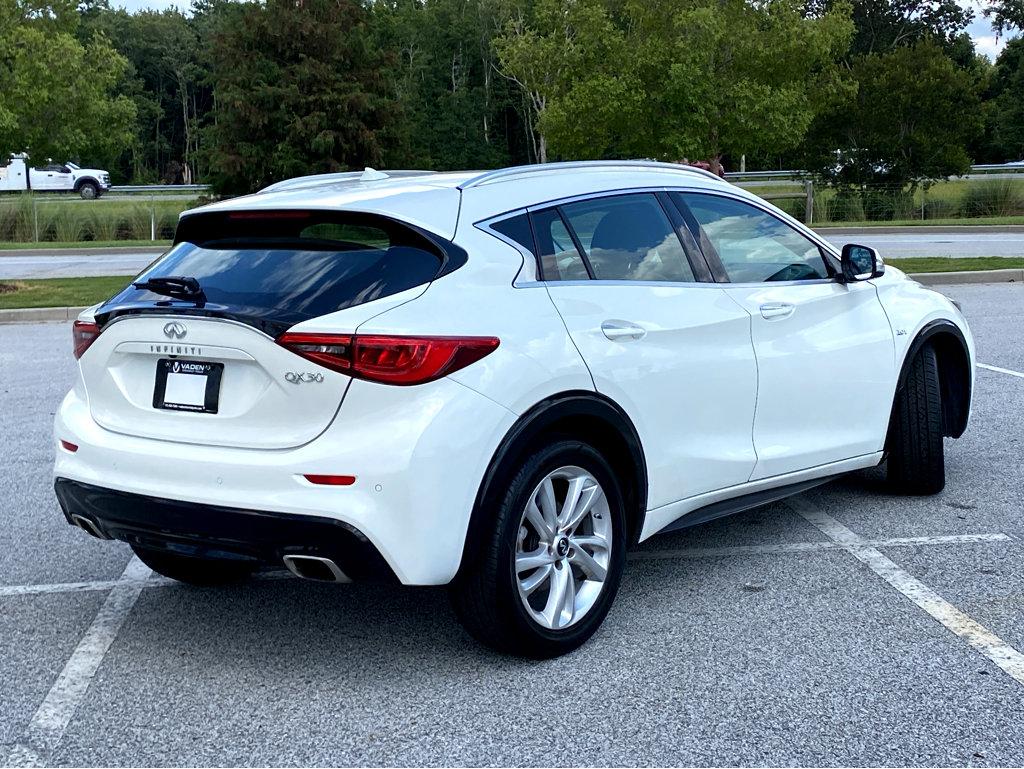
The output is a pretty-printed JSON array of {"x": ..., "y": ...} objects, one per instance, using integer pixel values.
[{"x": 980, "y": 29}]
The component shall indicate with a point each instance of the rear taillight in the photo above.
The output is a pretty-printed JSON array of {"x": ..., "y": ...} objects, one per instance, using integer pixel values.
[
  {"x": 399, "y": 360},
  {"x": 83, "y": 333}
]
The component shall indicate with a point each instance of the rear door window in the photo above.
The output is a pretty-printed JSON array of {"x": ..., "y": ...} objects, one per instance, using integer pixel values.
[
  {"x": 288, "y": 266},
  {"x": 629, "y": 237}
]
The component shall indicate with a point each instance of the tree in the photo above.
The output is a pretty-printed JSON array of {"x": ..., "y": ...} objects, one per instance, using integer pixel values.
[
  {"x": 457, "y": 112},
  {"x": 669, "y": 79},
  {"x": 1006, "y": 15},
  {"x": 1008, "y": 101},
  {"x": 299, "y": 89},
  {"x": 883, "y": 25},
  {"x": 909, "y": 122},
  {"x": 57, "y": 93}
]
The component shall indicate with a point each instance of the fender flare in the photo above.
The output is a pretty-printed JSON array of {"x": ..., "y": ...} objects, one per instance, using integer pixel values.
[
  {"x": 87, "y": 180},
  {"x": 956, "y": 395},
  {"x": 547, "y": 415}
]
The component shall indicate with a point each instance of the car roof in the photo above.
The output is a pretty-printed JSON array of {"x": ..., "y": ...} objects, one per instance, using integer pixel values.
[{"x": 436, "y": 201}]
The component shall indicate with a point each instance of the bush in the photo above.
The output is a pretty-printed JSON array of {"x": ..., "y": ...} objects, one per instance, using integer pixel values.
[
  {"x": 998, "y": 197},
  {"x": 844, "y": 206}
]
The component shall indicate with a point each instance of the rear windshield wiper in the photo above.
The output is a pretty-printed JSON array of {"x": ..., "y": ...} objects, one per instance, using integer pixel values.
[{"x": 176, "y": 287}]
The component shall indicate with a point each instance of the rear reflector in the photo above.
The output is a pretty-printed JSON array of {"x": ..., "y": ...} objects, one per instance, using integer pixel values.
[
  {"x": 398, "y": 360},
  {"x": 83, "y": 333},
  {"x": 331, "y": 480},
  {"x": 68, "y": 446}
]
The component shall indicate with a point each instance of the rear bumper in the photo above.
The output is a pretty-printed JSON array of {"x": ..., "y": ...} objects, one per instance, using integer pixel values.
[
  {"x": 418, "y": 455},
  {"x": 221, "y": 532}
]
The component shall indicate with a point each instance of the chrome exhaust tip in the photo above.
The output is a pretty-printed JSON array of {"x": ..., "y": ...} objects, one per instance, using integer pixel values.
[
  {"x": 314, "y": 567},
  {"x": 87, "y": 526}
]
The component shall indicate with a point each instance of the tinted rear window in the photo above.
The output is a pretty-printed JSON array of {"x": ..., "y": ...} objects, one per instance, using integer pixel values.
[{"x": 285, "y": 267}]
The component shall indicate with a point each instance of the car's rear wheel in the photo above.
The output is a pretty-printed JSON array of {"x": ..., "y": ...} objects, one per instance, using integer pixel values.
[
  {"x": 553, "y": 560},
  {"x": 194, "y": 571},
  {"x": 916, "y": 462}
]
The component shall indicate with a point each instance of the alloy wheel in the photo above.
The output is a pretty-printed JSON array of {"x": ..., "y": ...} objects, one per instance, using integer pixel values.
[{"x": 564, "y": 548}]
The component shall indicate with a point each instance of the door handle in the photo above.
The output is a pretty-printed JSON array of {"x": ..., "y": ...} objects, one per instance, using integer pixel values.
[
  {"x": 776, "y": 310},
  {"x": 620, "y": 329}
]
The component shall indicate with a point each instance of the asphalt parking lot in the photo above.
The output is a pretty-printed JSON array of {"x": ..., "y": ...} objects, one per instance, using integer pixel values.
[{"x": 844, "y": 627}]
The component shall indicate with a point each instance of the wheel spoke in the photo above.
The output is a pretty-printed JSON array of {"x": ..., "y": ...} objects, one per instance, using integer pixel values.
[
  {"x": 532, "y": 560},
  {"x": 547, "y": 503},
  {"x": 539, "y": 523},
  {"x": 584, "y": 504},
  {"x": 586, "y": 561},
  {"x": 536, "y": 579},
  {"x": 593, "y": 541},
  {"x": 555, "y": 606}
]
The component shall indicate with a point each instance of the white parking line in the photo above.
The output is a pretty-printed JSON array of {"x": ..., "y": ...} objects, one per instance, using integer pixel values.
[
  {"x": 978, "y": 636},
  {"x": 805, "y": 547},
  {"x": 14, "y": 591},
  {"x": 46, "y": 729},
  {"x": 1000, "y": 370}
]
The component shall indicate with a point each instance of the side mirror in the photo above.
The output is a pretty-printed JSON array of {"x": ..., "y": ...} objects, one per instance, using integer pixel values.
[{"x": 861, "y": 263}]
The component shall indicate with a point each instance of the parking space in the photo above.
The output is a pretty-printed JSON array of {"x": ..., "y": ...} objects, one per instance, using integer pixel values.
[{"x": 842, "y": 627}]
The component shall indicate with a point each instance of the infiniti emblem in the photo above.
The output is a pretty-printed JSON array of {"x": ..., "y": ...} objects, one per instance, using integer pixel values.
[{"x": 175, "y": 330}]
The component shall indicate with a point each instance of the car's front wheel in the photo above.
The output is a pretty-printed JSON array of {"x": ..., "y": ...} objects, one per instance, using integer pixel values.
[
  {"x": 552, "y": 562},
  {"x": 194, "y": 571},
  {"x": 88, "y": 191},
  {"x": 916, "y": 462}
]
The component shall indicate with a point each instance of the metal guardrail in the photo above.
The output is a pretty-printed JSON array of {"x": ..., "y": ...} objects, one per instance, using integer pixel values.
[
  {"x": 119, "y": 189},
  {"x": 796, "y": 175}
]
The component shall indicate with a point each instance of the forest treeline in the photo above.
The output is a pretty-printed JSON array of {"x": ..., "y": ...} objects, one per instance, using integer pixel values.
[{"x": 242, "y": 94}]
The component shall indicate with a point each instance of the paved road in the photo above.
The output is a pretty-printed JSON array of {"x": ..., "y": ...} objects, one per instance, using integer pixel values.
[
  {"x": 908, "y": 242},
  {"x": 912, "y": 242},
  {"x": 70, "y": 264},
  {"x": 756, "y": 640}
]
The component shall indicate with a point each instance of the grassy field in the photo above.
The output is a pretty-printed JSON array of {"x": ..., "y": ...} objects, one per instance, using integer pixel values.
[
  {"x": 11, "y": 245},
  {"x": 47, "y": 219},
  {"x": 959, "y": 201},
  {"x": 59, "y": 292},
  {"x": 82, "y": 292},
  {"x": 944, "y": 264},
  {"x": 980, "y": 221}
]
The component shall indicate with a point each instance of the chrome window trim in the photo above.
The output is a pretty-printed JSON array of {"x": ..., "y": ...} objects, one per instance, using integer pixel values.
[
  {"x": 180, "y": 315},
  {"x": 522, "y": 281}
]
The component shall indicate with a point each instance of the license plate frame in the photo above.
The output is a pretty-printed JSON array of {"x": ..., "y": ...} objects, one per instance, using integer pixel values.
[{"x": 212, "y": 372}]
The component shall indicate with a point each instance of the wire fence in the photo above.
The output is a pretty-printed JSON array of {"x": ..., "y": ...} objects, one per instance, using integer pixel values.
[
  {"x": 47, "y": 218},
  {"x": 960, "y": 199}
]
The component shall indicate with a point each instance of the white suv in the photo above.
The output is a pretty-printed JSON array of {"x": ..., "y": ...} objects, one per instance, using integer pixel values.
[{"x": 496, "y": 381}]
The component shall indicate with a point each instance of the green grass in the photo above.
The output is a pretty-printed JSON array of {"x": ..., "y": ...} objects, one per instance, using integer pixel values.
[
  {"x": 10, "y": 245},
  {"x": 60, "y": 292},
  {"x": 946, "y": 264},
  {"x": 979, "y": 221},
  {"x": 70, "y": 221}
]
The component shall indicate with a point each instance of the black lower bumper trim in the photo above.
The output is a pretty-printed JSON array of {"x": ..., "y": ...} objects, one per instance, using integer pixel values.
[{"x": 221, "y": 532}]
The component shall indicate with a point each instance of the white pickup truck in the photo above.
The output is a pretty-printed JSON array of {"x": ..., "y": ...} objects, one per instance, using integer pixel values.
[{"x": 90, "y": 183}]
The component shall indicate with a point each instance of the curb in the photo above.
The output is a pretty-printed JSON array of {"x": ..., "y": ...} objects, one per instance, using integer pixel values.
[
  {"x": 44, "y": 314},
  {"x": 39, "y": 314},
  {"x": 968, "y": 276}
]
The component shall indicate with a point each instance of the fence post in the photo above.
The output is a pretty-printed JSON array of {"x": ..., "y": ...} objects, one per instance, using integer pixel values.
[
  {"x": 809, "y": 211},
  {"x": 152, "y": 218}
]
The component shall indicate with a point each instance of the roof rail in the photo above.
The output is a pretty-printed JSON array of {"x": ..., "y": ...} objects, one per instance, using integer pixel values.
[
  {"x": 503, "y": 174},
  {"x": 316, "y": 180}
]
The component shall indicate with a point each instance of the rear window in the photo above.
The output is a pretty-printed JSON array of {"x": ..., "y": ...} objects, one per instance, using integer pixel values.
[{"x": 280, "y": 268}]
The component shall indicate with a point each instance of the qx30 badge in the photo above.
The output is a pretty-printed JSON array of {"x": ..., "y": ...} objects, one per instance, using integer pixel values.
[
  {"x": 175, "y": 330},
  {"x": 298, "y": 377}
]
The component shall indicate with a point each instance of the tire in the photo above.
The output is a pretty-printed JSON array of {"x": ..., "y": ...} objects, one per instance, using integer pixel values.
[
  {"x": 89, "y": 190},
  {"x": 194, "y": 571},
  {"x": 487, "y": 596},
  {"x": 916, "y": 463}
]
